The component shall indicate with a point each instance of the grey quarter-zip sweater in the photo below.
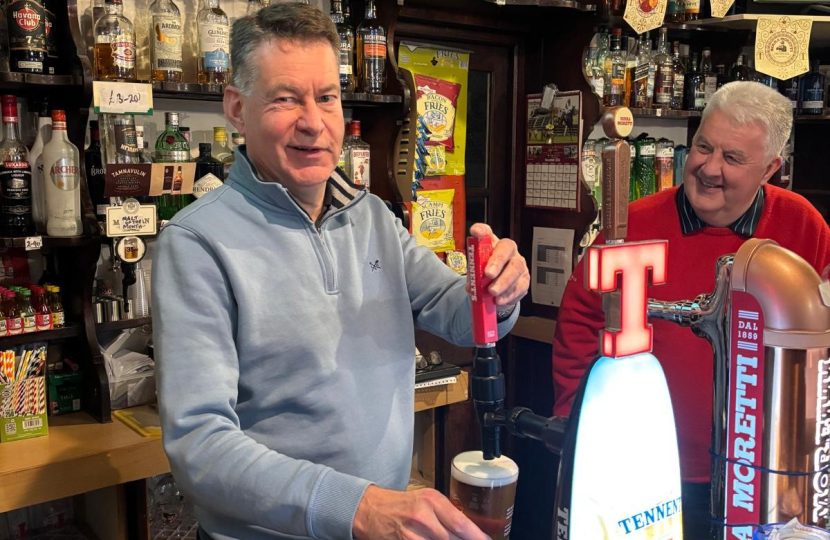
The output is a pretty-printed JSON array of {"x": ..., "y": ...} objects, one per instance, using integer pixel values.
[{"x": 285, "y": 353}]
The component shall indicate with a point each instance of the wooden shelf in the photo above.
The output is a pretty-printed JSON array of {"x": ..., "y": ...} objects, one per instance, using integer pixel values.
[
  {"x": 196, "y": 92},
  {"x": 34, "y": 337},
  {"x": 124, "y": 324},
  {"x": 32, "y": 82},
  {"x": 79, "y": 455},
  {"x": 664, "y": 113},
  {"x": 49, "y": 242},
  {"x": 563, "y": 4},
  {"x": 819, "y": 36}
]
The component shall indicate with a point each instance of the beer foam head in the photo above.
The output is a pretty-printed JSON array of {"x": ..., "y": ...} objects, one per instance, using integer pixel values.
[{"x": 472, "y": 469}]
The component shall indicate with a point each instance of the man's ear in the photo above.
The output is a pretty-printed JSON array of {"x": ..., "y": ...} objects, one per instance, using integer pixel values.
[
  {"x": 232, "y": 104},
  {"x": 772, "y": 166}
]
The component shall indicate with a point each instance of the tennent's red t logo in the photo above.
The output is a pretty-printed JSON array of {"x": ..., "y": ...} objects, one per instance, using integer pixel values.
[{"x": 630, "y": 268}]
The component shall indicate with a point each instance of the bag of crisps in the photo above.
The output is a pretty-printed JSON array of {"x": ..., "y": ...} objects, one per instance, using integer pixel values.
[
  {"x": 431, "y": 218},
  {"x": 436, "y": 107}
]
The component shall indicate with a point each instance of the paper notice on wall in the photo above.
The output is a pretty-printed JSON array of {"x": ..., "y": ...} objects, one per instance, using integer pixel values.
[{"x": 552, "y": 264}]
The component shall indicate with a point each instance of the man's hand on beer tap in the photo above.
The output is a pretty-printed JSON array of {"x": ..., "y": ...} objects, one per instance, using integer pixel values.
[
  {"x": 424, "y": 514},
  {"x": 506, "y": 268}
]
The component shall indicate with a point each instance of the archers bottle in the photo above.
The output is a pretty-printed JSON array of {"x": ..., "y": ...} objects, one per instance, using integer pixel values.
[{"x": 62, "y": 173}]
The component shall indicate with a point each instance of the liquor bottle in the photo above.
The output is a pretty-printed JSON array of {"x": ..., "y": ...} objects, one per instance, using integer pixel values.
[
  {"x": 678, "y": 79},
  {"x": 4, "y": 51},
  {"x": 253, "y": 8},
  {"x": 14, "y": 320},
  {"x": 721, "y": 75},
  {"x": 812, "y": 91},
  {"x": 664, "y": 164},
  {"x": 644, "y": 75},
  {"x": 710, "y": 78},
  {"x": 347, "y": 13},
  {"x": 615, "y": 76},
  {"x": 793, "y": 94},
  {"x": 165, "y": 41},
  {"x": 50, "y": 8},
  {"x": 691, "y": 11},
  {"x": 119, "y": 138},
  {"x": 177, "y": 183},
  {"x": 141, "y": 144},
  {"x": 676, "y": 11},
  {"x": 171, "y": 147},
  {"x": 114, "y": 44},
  {"x": 664, "y": 76},
  {"x": 95, "y": 173},
  {"x": 214, "y": 44},
  {"x": 220, "y": 149},
  {"x": 630, "y": 67},
  {"x": 597, "y": 76},
  {"x": 371, "y": 51},
  {"x": 43, "y": 316},
  {"x": 358, "y": 156},
  {"x": 44, "y": 135},
  {"x": 348, "y": 81},
  {"x": 739, "y": 71},
  {"x": 694, "y": 88},
  {"x": 63, "y": 181},
  {"x": 15, "y": 176},
  {"x": 590, "y": 56},
  {"x": 644, "y": 178},
  {"x": 209, "y": 172},
  {"x": 56, "y": 306},
  {"x": 27, "y": 35}
]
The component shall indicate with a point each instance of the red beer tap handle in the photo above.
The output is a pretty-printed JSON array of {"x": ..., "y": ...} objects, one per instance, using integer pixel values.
[{"x": 485, "y": 328}]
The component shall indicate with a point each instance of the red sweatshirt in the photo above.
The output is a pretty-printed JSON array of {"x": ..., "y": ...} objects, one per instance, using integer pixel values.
[{"x": 787, "y": 218}]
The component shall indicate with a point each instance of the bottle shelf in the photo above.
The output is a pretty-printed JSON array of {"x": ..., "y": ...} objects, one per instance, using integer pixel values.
[
  {"x": 68, "y": 331},
  {"x": 123, "y": 324},
  {"x": 10, "y": 80},
  {"x": 49, "y": 242},
  {"x": 819, "y": 36},
  {"x": 682, "y": 30},
  {"x": 664, "y": 113},
  {"x": 212, "y": 92},
  {"x": 812, "y": 118},
  {"x": 564, "y": 4}
]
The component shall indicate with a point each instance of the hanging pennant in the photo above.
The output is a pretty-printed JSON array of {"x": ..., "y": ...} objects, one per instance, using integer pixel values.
[
  {"x": 720, "y": 7},
  {"x": 782, "y": 45},
  {"x": 645, "y": 15}
]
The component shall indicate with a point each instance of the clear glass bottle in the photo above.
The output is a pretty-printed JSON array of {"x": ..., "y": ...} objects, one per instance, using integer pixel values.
[
  {"x": 630, "y": 68},
  {"x": 739, "y": 72},
  {"x": 710, "y": 78},
  {"x": 119, "y": 138},
  {"x": 209, "y": 172},
  {"x": 678, "y": 79},
  {"x": 15, "y": 176},
  {"x": 220, "y": 149},
  {"x": 597, "y": 73},
  {"x": 27, "y": 312},
  {"x": 43, "y": 316},
  {"x": 644, "y": 176},
  {"x": 56, "y": 307},
  {"x": 114, "y": 44},
  {"x": 61, "y": 163},
  {"x": 214, "y": 44},
  {"x": 14, "y": 319},
  {"x": 165, "y": 41},
  {"x": 812, "y": 91},
  {"x": 615, "y": 76},
  {"x": 358, "y": 156},
  {"x": 141, "y": 144},
  {"x": 664, "y": 74},
  {"x": 371, "y": 52},
  {"x": 44, "y": 135},
  {"x": 348, "y": 79},
  {"x": 171, "y": 147}
]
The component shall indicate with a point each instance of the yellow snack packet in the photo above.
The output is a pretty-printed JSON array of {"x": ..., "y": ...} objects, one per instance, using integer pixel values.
[{"x": 432, "y": 219}]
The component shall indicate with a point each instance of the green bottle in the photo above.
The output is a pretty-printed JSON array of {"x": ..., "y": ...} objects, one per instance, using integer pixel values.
[
  {"x": 171, "y": 147},
  {"x": 644, "y": 177}
]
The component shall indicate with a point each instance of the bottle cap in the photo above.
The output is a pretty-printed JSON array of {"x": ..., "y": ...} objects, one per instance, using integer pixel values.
[
  {"x": 219, "y": 134},
  {"x": 354, "y": 127},
  {"x": 204, "y": 149},
  {"x": 9, "y": 109},
  {"x": 58, "y": 119},
  {"x": 171, "y": 118}
]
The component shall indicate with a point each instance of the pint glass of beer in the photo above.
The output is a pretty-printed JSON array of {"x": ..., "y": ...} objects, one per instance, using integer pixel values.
[{"x": 485, "y": 491}]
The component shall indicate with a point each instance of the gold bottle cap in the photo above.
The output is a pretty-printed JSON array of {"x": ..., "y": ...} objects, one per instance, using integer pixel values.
[{"x": 617, "y": 122}]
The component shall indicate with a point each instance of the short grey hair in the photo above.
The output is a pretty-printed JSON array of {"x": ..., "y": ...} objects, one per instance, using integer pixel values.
[
  {"x": 288, "y": 21},
  {"x": 746, "y": 102}
]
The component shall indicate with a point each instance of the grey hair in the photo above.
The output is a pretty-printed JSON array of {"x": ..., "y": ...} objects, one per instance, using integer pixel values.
[
  {"x": 746, "y": 102},
  {"x": 288, "y": 21}
]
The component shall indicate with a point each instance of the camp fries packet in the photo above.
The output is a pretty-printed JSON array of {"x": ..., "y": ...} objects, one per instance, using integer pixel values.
[
  {"x": 432, "y": 219},
  {"x": 440, "y": 77}
]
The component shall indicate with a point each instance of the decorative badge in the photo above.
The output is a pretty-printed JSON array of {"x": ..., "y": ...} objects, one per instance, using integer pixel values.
[
  {"x": 782, "y": 45},
  {"x": 645, "y": 15},
  {"x": 720, "y": 7}
]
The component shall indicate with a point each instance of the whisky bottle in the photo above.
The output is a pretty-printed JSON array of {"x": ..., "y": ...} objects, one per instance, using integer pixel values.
[
  {"x": 15, "y": 176},
  {"x": 214, "y": 44},
  {"x": 664, "y": 74},
  {"x": 348, "y": 81},
  {"x": 615, "y": 77},
  {"x": 165, "y": 41},
  {"x": 692, "y": 10},
  {"x": 643, "y": 75},
  {"x": 739, "y": 71},
  {"x": 27, "y": 35},
  {"x": 630, "y": 68},
  {"x": 114, "y": 44},
  {"x": 118, "y": 134},
  {"x": 678, "y": 78},
  {"x": 676, "y": 11},
  {"x": 597, "y": 72},
  {"x": 710, "y": 78},
  {"x": 695, "y": 88},
  {"x": 371, "y": 51},
  {"x": 61, "y": 165},
  {"x": 171, "y": 147}
]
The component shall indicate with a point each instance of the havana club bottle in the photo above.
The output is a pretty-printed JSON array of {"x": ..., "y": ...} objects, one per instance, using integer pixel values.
[{"x": 27, "y": 35}]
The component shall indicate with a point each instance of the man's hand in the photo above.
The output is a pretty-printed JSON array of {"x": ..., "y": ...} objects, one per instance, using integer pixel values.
[
  {"x": 424, "y": 514},
  {"x": 506, "y": 268}
]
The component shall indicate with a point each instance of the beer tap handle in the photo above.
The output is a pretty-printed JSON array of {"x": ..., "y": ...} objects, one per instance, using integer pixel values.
[{"x": 616, "y": 167}]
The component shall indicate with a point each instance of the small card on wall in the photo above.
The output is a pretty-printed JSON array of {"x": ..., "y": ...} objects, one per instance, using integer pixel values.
[
  {"x": 782, "y": 45},
  {"x": 645, "y": 15}
]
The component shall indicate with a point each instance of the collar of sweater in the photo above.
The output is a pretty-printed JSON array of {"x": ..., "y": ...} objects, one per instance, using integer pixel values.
[{"x": 340, "y": 192}]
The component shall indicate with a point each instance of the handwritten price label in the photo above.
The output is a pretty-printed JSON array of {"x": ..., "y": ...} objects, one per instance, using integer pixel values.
[
  {"x": 33, "y": 243},
  {"x": 122, "y": 98}
]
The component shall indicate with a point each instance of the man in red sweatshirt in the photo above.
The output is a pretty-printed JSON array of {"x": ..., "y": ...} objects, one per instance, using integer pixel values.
[{"x": 723, "y": 201}]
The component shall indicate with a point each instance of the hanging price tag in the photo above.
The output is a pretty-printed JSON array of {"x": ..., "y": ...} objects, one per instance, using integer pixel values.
[
  {"x": 122, "y": 98},
  {"x": 782, "y": 45},
  {"x": 645, "y": 15},
  {"x": 33, "y": 243}
]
